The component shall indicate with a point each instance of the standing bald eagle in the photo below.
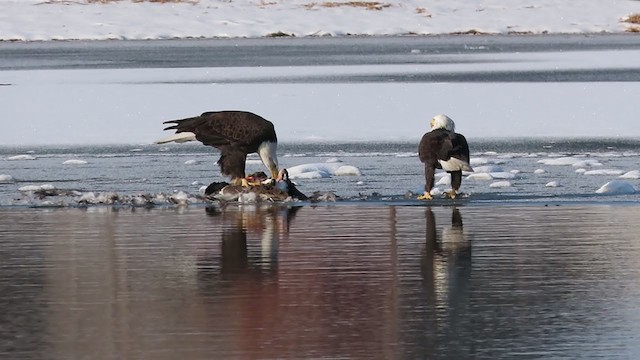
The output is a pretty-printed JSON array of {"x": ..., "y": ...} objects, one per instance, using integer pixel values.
[
  {"x": 443, "y": 148},
  {"x": 236, "y": 134}
]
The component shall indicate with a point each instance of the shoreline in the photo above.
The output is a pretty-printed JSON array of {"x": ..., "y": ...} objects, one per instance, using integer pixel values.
[
  {"x": 451, "y": 35},
  {"x": 470, "y": 33},
  {"x": 494, "y": 202}
]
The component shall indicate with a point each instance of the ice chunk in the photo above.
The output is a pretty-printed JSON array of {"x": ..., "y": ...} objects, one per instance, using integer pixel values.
[
  {"x": 31, "y": 188},
  {"x": 179, "y": 198},
  {"x": 633, "y": 174},
  {"x": 603, "y": 172},
  {"x": 503, "y": 175},
  {"x": 333, "y": 167},
  {"x": 565, "y": 160},
  {"x": 488, "y": 169},
  {"x": 586, "y": 163},
  {"x": 480, "y": 176},
  {"x": 74, "y": 162},
  {"x": 500, "y": 184},
  {"x": 616, "y": 187},
  {"x": 445, "y": 180},
  {"x": 21, "y": 157},
  {"x": 347, "y": 170},
  {"x": 4, "y": 178}
]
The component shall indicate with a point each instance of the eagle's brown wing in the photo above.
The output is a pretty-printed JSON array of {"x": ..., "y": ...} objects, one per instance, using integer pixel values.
[
  {"x": 234, "y": 133},
  {"x": 224, "y": 128}
]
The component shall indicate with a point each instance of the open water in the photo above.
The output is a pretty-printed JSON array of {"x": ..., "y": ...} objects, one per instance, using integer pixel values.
[
  {"x": 527, "y": 271},
  {"x": 326, "y": 282}
]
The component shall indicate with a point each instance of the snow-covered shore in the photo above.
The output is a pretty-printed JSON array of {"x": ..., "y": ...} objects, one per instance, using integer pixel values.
[{"x": 41, "y": 20}]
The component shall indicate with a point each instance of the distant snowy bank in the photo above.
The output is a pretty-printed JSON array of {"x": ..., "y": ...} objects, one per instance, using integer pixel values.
[{"x": 38, "y": 20}]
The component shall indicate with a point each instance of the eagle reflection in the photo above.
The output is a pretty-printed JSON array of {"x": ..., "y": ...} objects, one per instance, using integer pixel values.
[
  {"x": 248, "y": 243},
  {"x": 446, "y": 262}
]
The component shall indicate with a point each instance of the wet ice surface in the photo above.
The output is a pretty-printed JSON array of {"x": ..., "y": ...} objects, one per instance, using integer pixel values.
[
  {"x": 331, "y": 90},
  {"x": 321, "y": 282},
  {"x": 528, "y": 170}
]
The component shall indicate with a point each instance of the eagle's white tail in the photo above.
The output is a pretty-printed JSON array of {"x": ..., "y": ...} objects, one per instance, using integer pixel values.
[
  {"x": 179, "y": 138},
  {"x": 455, "y": 164}
]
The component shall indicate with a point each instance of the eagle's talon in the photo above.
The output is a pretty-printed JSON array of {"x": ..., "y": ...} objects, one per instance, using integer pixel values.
[
  {"x": 451, "y": 194},
  {"x": 425, "y": 196}
]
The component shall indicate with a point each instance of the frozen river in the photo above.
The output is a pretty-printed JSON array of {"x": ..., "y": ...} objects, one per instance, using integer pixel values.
[
  {"x": 292, "y": 51},
  {"x": 354, "y": 89}
]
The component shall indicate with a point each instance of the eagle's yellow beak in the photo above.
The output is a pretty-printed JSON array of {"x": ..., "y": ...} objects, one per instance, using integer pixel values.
[{"x": 274, "y": 171}]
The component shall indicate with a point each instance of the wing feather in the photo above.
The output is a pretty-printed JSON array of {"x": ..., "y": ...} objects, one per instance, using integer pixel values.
[
  {"x": 441, "y": 145},
  {"x": 226, "y": 128}
]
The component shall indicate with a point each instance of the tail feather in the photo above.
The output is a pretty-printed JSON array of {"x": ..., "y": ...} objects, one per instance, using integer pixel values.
[
  {"x": 455, "y": 164},
  {"x": 178, "y": 138}
]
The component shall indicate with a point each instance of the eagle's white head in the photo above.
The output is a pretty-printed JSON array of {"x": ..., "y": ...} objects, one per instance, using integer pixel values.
[{"x": 442, "y": 122}]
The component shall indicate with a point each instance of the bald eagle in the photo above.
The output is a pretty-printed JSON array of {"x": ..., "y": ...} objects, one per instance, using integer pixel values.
[
  {"x": 236, "y": 134},
  {"x": 443, "y": 148}
]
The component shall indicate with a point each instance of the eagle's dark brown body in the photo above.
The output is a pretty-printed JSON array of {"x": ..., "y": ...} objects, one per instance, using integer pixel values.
[
  {"x": 447, "y": 150},
  {"x": 236, "y": 134}
]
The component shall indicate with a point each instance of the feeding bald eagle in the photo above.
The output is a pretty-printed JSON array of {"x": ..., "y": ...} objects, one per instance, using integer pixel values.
[
  {"x": 443, "y": 148},
  {"x": 236, "y": 134}
]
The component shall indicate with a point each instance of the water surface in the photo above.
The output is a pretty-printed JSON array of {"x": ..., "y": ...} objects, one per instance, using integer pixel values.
[{"x": 338, "y": 281}]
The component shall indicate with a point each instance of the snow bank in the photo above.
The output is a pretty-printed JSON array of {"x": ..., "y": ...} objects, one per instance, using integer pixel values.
[{"x": 37, "y": 20}]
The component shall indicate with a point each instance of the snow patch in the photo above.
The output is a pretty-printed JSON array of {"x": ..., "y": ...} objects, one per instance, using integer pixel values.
[{"x": 75, "y": 162}]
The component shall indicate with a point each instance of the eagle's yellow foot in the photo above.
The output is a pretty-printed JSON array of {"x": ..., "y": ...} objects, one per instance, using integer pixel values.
[
  {"x": 251, "y": 182},
  {"x": 425, "y": 196},
  {"x": 242, "y": 182},
  {"x": 451, "y": 194},
  {"x": 237, "y": 181}
]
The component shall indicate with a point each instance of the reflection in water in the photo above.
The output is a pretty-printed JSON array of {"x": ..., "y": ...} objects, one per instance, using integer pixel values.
[
  {"x": 345, "y": 281},
  {"x": 270, "y": 224},
  {"x": 446, "y": 263},
  {"x": 234, "y": 262},
  {"x": 446, "y": 271}
]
